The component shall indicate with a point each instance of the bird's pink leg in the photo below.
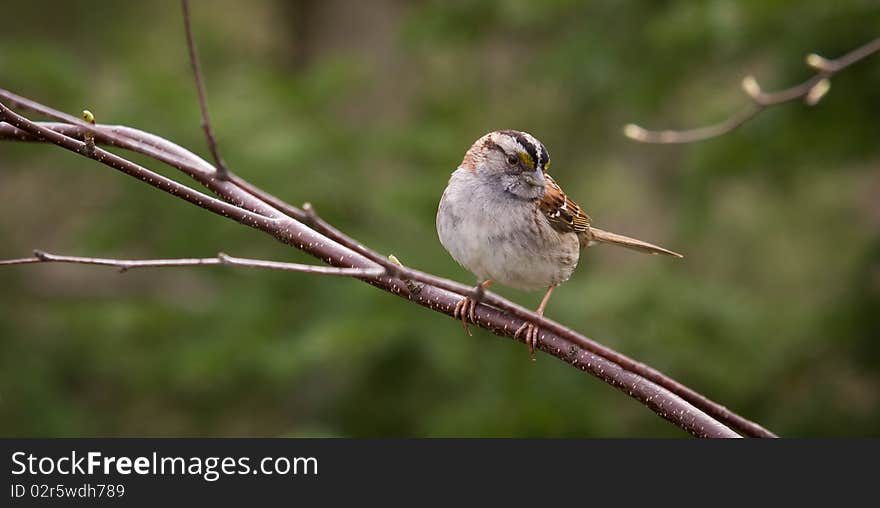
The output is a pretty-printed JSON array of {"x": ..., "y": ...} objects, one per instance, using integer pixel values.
[{"x": 530, "y": 330}]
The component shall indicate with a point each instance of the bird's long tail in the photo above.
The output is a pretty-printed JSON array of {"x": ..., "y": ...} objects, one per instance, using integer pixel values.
[{"x": 598, "y": 235}]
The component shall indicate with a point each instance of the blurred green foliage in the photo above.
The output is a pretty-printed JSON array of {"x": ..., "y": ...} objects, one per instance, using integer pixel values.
[{"x": 363, "y": 109}]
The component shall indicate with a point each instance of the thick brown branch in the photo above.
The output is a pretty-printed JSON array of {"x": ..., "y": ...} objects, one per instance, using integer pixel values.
[
  {"x": 567, "y": 345},
  {"x": 811, "y": 91},
  {"x": 222, "y": 170},
  {"x": 156, "y": 180},
  {"x": 144, "y": 143}
]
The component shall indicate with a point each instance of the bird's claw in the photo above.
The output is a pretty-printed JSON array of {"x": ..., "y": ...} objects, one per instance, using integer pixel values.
[
  {"x": 529, "y": 334},
  {"x": 464, "y": 310}
]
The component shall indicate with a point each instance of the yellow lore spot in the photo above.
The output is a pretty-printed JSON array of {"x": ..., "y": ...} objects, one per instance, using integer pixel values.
[{"x": 526, "y": 159}]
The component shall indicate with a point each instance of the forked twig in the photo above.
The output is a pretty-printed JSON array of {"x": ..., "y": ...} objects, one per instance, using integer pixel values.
[{"x": 811, "y": 91}]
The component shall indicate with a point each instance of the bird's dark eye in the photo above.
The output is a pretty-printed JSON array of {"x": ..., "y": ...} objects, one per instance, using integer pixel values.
[{"x": 512, "y": 160}]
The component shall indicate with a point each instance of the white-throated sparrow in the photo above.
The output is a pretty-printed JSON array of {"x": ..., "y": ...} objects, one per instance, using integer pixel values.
[{"x": 506, "y": 220}]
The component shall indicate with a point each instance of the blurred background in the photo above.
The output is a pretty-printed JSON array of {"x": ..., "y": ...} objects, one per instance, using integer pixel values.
[{"x": 363, "y": 109}]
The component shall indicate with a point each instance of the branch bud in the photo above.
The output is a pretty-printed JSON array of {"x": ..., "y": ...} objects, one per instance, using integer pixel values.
[
  {"x": 633, "y": 131},
  {"x": 751, "y": 87},
  {"x": 310, "y": 212},
  {"x": 817, "y": 92},
  {"x": 412, "y": 286},
  {"x": 88, "y": 136},
  {"x": 819, "y": 63}
]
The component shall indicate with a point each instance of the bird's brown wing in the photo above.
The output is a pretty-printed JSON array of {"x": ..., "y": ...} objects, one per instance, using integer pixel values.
[
  {"x": 563, "y": 214},
  {"x": 567, "y": 217}
]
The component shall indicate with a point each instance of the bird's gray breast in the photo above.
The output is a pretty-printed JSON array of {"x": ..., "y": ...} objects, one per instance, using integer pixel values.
[{"x": 503, "y": 238}]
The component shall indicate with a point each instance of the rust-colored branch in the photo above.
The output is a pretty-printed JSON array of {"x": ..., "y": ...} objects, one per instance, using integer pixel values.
[
  {"x": 811, "y": 91},
  {"x": 668, "y": 398},
  {"x": 241, "y": 215},
  {"x": 310, "y": 217}
]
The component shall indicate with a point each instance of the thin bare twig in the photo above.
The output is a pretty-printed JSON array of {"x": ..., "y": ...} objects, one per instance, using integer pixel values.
[
  {"x": 633, "y": 377},
  {"x": 811, "y": 91},
  {"x": 222, "y": 170},
  {"x": 221, "y": 259}
]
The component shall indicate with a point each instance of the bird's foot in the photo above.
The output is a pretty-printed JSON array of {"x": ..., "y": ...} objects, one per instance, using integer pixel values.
[
  {"x": 466, "y": 307},
  {"x": 464, "y": 310},
  {"x": 529, "y": 333}
]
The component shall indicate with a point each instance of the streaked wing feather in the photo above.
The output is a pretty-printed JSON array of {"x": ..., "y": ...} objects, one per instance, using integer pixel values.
[{"x": 563, "y": 214}]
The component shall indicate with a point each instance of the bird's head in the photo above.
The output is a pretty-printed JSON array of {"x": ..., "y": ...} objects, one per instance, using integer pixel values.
[{"x": 512, "y": 160}]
